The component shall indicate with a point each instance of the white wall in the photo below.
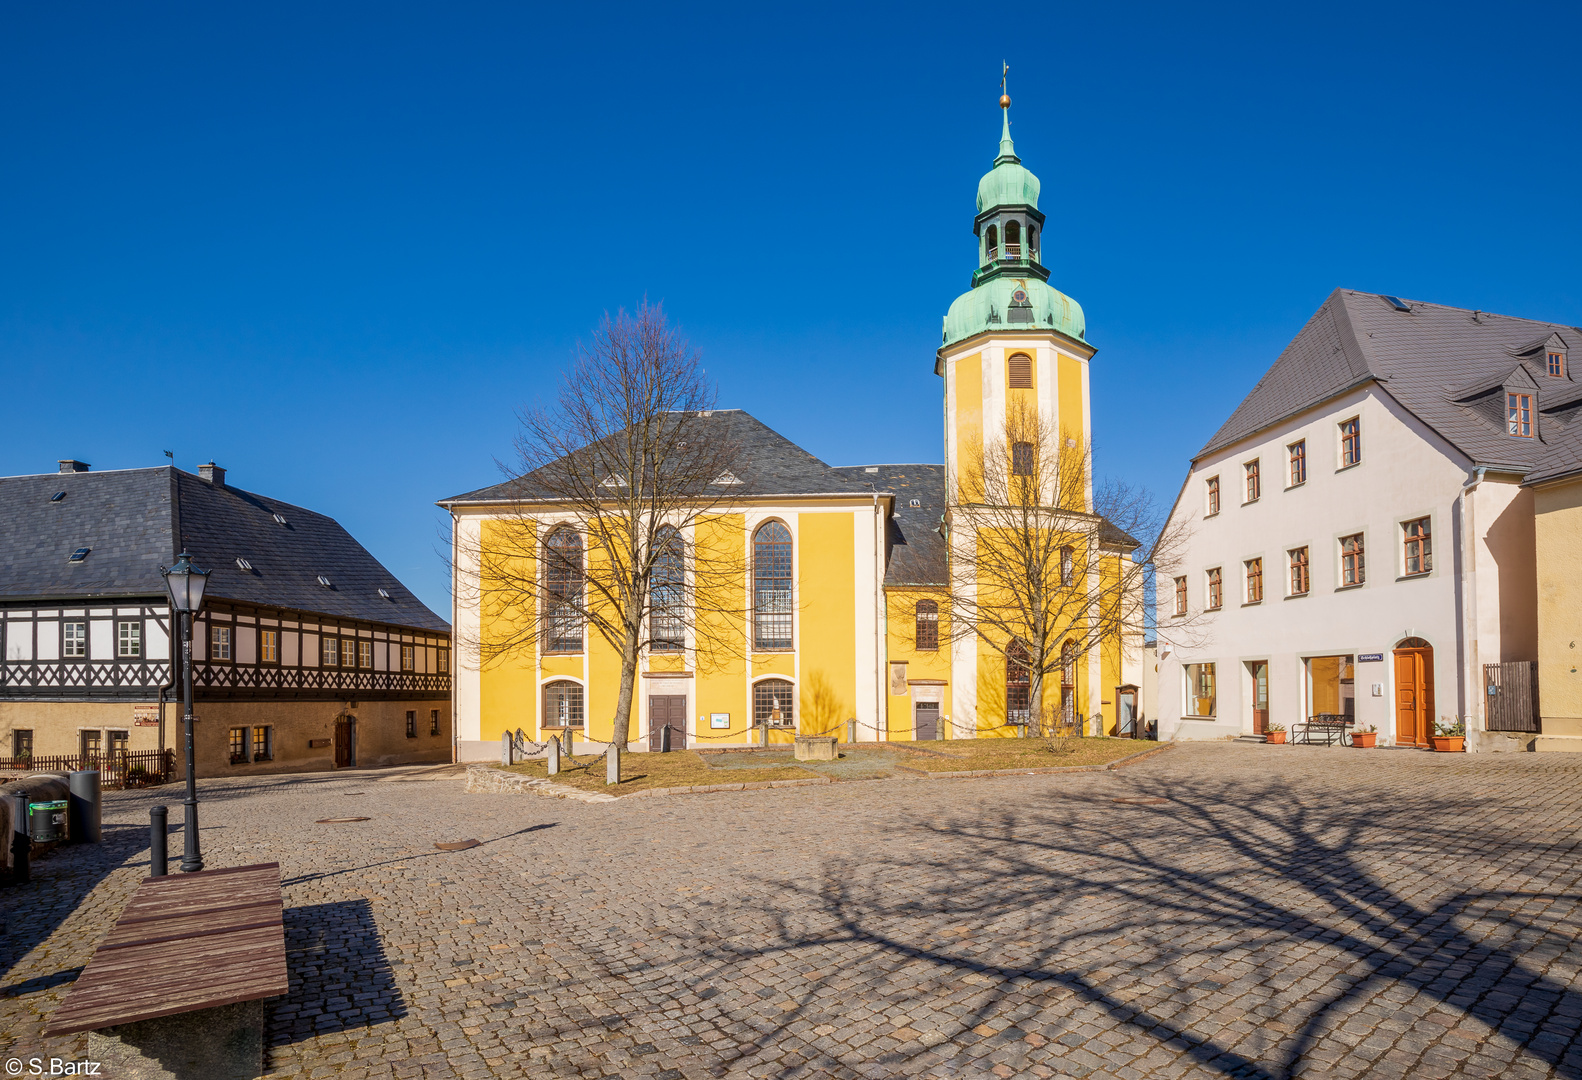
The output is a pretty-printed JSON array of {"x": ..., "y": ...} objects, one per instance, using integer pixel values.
[{"x": 1406, "y": 472}]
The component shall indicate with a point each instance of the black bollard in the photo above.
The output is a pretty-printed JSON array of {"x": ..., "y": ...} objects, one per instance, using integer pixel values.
[
  {"x": 21, "y": 843},
  {"x": 158, "y": 829}
]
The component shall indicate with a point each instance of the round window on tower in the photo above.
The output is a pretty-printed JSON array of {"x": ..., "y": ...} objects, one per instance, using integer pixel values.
[{"x": 1018, "y": 297}]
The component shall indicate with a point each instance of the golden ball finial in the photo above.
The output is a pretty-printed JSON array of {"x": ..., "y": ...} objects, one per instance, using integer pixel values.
[{"x": 1005, "y": 101}]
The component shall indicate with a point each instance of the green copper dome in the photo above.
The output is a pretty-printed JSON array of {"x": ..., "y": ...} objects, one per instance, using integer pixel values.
[
  {"x": 1006, "y": 304},
  {"x": 1008, "y": 183}
]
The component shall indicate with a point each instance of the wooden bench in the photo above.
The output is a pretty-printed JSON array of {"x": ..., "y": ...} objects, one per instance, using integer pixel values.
[
  {"x": 1333, "y": 727},
  {"x": 179, "y": 982}
]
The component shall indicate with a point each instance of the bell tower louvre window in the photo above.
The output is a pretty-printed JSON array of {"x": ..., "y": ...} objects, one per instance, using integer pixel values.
[{"x": 1019, "y": 372}]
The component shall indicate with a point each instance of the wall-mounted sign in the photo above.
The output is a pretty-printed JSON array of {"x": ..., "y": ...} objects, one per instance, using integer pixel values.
[
  {"x": 1370, "y": 657},
  {"x": 145, "y": 715},
  {"x": 719, "y": 719}
]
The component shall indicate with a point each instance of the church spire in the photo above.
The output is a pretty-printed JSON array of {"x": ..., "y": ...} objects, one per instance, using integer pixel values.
[{"x": 1007, "y": 148}]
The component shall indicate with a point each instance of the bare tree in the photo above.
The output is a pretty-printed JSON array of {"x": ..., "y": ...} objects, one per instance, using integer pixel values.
[
  {"x": 613, "y": 525},
  {"x": 1044, "y": 568}
]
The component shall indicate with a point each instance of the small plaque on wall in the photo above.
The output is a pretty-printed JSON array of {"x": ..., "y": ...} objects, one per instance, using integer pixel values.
[
  {"x": 145, "y": 715},
  {"x": 315, "y": 744},
  {"x": 719, "y": 719}
]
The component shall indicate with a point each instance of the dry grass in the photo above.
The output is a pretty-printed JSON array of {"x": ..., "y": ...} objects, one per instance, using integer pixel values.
[
  {"x": 966, "y": 755},
  {"x": 639, "y": 772}
]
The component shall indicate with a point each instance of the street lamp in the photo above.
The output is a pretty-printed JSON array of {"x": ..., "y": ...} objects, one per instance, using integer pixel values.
[{"x": 186, "y": 583}]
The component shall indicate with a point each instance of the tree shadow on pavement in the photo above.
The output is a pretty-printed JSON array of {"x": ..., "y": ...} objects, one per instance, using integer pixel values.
[{"x": 1196, "y": 903}]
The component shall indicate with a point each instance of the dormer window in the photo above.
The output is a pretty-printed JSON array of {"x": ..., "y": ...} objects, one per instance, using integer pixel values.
[
  {"x": 1519, "y": 415},
  {"x": 1557, "y": 363}
]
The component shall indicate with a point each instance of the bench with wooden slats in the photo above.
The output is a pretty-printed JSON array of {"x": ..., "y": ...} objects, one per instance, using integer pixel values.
[{"x": 183, "y": 943}]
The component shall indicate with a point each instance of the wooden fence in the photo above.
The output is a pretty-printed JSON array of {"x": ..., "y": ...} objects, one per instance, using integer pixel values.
[
  {"x": 117, "y": 769},
  {"x": 1511, "y": 696}
]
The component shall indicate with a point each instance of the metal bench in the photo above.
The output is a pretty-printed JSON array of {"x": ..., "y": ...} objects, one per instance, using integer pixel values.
[
  {"x": 1329, "y": 728},
  {"x": 181, "y": 977}
]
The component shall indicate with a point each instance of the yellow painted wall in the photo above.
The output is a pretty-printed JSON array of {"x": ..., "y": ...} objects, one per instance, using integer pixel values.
[
  {"x": 508, "y": 688},
  {"x": 969, "y": 417},
  {"x": 721, "y": 681},
  {"x": 827, "y": 679},
  {"x": 901, "y": 618},
  {"x": 1558, "y": 518}
]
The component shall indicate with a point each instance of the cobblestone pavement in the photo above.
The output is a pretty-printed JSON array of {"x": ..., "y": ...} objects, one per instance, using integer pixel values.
[{"x": 1215, "y": 910}]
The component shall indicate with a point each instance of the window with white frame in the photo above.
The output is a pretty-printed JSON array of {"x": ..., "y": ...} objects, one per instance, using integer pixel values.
[
  {"x": 129, "y": 639},
  {"x": 1200, "y": 690}
]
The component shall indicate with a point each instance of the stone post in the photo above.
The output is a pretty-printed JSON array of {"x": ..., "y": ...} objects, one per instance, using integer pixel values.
[
  {"x": 612, "y": 765},
  {"x": 552, "y": 762},
  {"x": 505, "y": 749}
]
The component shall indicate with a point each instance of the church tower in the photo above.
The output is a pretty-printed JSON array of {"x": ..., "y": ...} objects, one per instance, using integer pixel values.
[
  {"x": 1012, "y": 338},
  {"x": 1014, "y": 348}
]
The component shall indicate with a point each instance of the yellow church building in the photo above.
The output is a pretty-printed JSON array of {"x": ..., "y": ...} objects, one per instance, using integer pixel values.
[{"x": 851, "y": 574}]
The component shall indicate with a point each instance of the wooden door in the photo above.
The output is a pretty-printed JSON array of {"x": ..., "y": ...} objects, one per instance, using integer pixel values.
[
  {"x": 343, "y": 743},
  {"x": 667, "y": 711},
  {"x": 1260, "y": 697},
  {"x": 1414, "y": 695},
  {"x": 926, "y": 714}
]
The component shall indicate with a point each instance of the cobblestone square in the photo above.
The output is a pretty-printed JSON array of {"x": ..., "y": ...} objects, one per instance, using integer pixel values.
[{"x": 1215, "y": 910}]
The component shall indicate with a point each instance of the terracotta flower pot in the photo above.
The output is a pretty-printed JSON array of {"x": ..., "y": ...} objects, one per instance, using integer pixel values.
[
  {"x": 1364, "y": 739},
  {"x": 1448, "y": 744},
  {"x": 1275, "y": 737}
]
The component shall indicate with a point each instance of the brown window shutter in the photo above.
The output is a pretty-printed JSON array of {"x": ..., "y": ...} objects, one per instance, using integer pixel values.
[{"x": 1021, "y": 371}]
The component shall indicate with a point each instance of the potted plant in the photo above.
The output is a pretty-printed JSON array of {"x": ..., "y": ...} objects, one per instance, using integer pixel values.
[
  {"x": 1364, "y": 737},
  {"x": 1450, "y": 735},
  {"x": 1275, "y": 733}
]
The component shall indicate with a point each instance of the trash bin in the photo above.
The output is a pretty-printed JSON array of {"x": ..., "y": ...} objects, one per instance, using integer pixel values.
[{"x": 46, "y": 821}]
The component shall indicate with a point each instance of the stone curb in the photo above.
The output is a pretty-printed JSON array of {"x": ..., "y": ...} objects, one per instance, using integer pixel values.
[
  {"x": 488, "y": 779},
  {"x": 1035, "y": 771}
]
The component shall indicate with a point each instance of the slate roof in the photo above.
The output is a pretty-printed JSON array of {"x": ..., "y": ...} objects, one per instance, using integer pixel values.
[
  {"x": 1564, "y": 459},
  {"x": 133, "y": 520},
  {"x": 768, "y": 464},
  {"x": 1446, "y": 365},
  {"x": 916, "y": 548}
]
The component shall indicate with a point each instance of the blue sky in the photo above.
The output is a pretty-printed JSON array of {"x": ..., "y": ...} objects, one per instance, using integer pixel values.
[{"x": 334, "y": 246}]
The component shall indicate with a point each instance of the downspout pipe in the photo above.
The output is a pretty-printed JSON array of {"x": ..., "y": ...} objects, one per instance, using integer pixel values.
[{"x": 1469, "y": 593}]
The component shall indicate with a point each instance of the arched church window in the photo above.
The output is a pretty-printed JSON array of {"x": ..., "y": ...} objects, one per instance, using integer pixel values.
[
  {"x": 772, "y": 586},
  {"x": 668, "y": 629},
  {"x": 1018, "y": 683},
  {"x": 563, "y": 591},
  {"x": 562, "y": 704},
  {"x": 772, "y": 703},
  {"x": 991, "y": 243}
]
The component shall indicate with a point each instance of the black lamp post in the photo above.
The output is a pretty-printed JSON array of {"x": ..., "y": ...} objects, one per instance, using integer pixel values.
[{"x": 186, "y": 583}]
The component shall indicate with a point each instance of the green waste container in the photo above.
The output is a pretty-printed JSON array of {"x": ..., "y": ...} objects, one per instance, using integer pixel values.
[{"x": 46, "y": 821}]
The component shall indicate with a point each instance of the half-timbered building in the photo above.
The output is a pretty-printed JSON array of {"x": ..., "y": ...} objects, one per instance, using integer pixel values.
[{"x": 308, "y": 654}]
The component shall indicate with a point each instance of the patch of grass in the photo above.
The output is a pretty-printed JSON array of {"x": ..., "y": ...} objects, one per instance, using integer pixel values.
[
  {"x": 639, "y": 772},
  {"x": 966, "y": 755}
]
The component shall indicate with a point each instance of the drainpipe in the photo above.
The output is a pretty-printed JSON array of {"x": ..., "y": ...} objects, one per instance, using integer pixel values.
[{"x": 1469, "y": 566}]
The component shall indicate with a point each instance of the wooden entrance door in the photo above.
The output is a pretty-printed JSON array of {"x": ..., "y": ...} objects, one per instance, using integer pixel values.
[
  {"x": 343, "y": 742},
  {"x": 1260, "y": 696},
  {"x": 926, "y": 720},
  {"x": 1414, "y": 692},
  {"x": 667, "y": 711}
]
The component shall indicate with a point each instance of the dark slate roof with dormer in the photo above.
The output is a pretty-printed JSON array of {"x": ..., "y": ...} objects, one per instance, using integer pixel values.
[
  {"x": 1449, "y": 366},
  {"x": 767, "y": 463},
  {"x": 133, "y": 521}
]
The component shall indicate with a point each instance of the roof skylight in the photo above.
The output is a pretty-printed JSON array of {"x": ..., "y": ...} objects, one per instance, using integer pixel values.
[
  {"x": 243, "y": 564},
  {"x": 57, "y": 497},
  {"x": 280, "y": 518},
  {"x": 1396, "y": 302},
  {"x": 325, "y": 582},
  {"x": 384, "y": 593},
  {"x": 78, "y": 555}
]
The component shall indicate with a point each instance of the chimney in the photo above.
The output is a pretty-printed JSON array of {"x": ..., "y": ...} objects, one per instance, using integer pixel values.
[
  {"x": 212, "y": 473},
  {"x": 71, "y": 465}
]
